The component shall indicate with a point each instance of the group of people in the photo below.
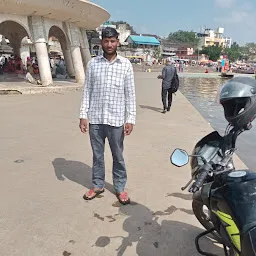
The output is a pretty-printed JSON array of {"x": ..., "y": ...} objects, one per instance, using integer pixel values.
[
  {"x": 12, "y": 64},
  {"x": 58, "y": 67},
  {"x": 108, "y": 111},
  {"x": 32, "y": 65}
]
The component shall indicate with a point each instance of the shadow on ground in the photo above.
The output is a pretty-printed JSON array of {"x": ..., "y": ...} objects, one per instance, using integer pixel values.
[
  {"x": 144, "y": 229},
  {"x": 77, "y": 172},
  {"x": 154, "y": 238},
  {"x": 151, "y": 108},
  {"x": 187, "y": 197}
]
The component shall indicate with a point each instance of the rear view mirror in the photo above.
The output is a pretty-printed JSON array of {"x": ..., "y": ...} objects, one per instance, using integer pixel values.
[{"x": 179, "y": 157}]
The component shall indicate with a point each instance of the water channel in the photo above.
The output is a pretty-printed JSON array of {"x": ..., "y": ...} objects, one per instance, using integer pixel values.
[{"x": 201, "y": 92}]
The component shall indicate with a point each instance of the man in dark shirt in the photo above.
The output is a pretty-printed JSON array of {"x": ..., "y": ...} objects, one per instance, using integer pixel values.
[{"x": 168, "y": 73}]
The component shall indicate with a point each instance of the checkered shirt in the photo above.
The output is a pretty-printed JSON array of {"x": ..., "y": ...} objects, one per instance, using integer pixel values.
[{"x": 109, "y": 92}]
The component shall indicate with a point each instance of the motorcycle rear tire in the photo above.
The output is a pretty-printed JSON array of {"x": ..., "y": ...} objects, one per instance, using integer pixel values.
[{"x": 204, "y": 219}]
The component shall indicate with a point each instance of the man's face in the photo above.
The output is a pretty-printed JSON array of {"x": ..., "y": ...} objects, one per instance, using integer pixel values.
[{"x": 109, "y": 45}]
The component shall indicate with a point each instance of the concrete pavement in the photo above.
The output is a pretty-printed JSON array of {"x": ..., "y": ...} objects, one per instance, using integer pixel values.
[
  {"x": 15, "y": 84},
  {"x": 46, "y": 168}
]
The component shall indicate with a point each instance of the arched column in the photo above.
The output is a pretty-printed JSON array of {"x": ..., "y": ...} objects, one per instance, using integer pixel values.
[
  {"x": 74, "y": 34},
  {"x": 78, "y": 64},
  {"x": 40, "y": 42},
  {"x": 43, "y": 63},
  {"x": 14, "y": 32},
  {"x": 62, "y": 36},
  {"x": 69, "y": 62},
  {"x": 85, "y": 48}
]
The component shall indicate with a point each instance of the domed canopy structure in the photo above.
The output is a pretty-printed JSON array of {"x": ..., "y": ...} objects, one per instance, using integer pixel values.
[{"x": 37, "y": 21}]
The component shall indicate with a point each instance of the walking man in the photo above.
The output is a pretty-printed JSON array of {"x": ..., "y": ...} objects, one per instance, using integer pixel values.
[
  {"x": 168, "y": 73},
  {"x": 108, "y": 110}
]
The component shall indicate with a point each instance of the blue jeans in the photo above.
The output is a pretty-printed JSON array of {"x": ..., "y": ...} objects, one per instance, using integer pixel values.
[{"x": 115, "y": 135}]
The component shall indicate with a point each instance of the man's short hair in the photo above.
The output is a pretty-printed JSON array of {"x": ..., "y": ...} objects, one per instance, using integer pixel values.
[{"x": 109, "y": 32}]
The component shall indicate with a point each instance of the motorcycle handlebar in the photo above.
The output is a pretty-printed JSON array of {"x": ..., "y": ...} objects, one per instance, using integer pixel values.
[{"x": 199, "y": 182}]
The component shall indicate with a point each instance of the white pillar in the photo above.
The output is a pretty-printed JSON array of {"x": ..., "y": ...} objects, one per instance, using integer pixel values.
[
  {"x": 85, "y": 48},
  {"x": 69, "y": 62},
  {"x": 37, "y": 28},
  {"x": 43, "y": 63},
  {"x": 78, "y": 64},
  {"x": 86, "y": 55}
]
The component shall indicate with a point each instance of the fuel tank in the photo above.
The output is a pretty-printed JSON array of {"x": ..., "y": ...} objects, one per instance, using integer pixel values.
[{"x": 233, "y": 200}]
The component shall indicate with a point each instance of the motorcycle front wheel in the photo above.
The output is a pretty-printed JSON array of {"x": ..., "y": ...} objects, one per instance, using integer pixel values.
[{"x": 200, "y": 211}]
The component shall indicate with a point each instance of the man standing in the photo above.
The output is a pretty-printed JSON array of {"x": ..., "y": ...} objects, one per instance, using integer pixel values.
[
  {"x": 168, "y": 73},
  {"x": 108, "y": 109}
]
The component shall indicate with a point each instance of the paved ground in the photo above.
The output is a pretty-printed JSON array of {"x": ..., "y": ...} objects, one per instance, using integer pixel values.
[
  {"x": 15, "y": 84},
  {"x": 46, "y": 168}
]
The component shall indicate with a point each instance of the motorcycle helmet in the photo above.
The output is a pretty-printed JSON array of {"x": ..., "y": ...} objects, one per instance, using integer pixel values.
[{"x": 238, "y": 98}]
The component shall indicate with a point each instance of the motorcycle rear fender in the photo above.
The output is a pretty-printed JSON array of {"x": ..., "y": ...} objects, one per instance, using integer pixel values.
[{"x": 203, "y": 196}]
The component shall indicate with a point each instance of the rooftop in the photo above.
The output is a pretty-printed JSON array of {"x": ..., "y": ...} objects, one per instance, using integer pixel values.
[
  {"x": 149, "y": 40},
  {"x": 84, "y": 13}
]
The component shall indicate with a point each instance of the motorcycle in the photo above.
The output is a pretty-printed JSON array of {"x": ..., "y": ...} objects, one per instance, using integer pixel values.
[{"x": 224, "y": 199}]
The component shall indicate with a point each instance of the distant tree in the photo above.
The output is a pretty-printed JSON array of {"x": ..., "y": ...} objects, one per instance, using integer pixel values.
[
  {"x": 235, "y": 45},
  {"x": 157, "y": 53},
  {"x": 129, "y": 27},
  {"x": 213, "y": 52},
  {"x": 234, "y": 52},
  {"x": 182, "y": 36},
  {"x": 249, "y": 51}
]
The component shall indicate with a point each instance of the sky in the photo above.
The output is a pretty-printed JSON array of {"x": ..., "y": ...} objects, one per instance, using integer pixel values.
[{"x": 161, "y": 17}]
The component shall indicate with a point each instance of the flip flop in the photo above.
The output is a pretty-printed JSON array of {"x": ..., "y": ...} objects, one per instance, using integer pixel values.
[
  {"x": 92, "y": 191},
  {"x": 123, "y": 198}
]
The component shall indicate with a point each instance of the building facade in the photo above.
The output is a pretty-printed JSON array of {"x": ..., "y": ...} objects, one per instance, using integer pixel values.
[
  {"x": 144, "y": 47},
  {"x": 122, "y": 30},
  {"x": 212, "y": 37},
  {"x": 95, "y": 41},
  {"x": 30, "y": 24},
  {"x": 181, "y": 50}
]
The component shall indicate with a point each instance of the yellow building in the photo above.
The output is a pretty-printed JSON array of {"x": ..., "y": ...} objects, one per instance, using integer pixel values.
[
  {"x": 214, "y": 37},
  {"x": 209, "y": 41}
]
